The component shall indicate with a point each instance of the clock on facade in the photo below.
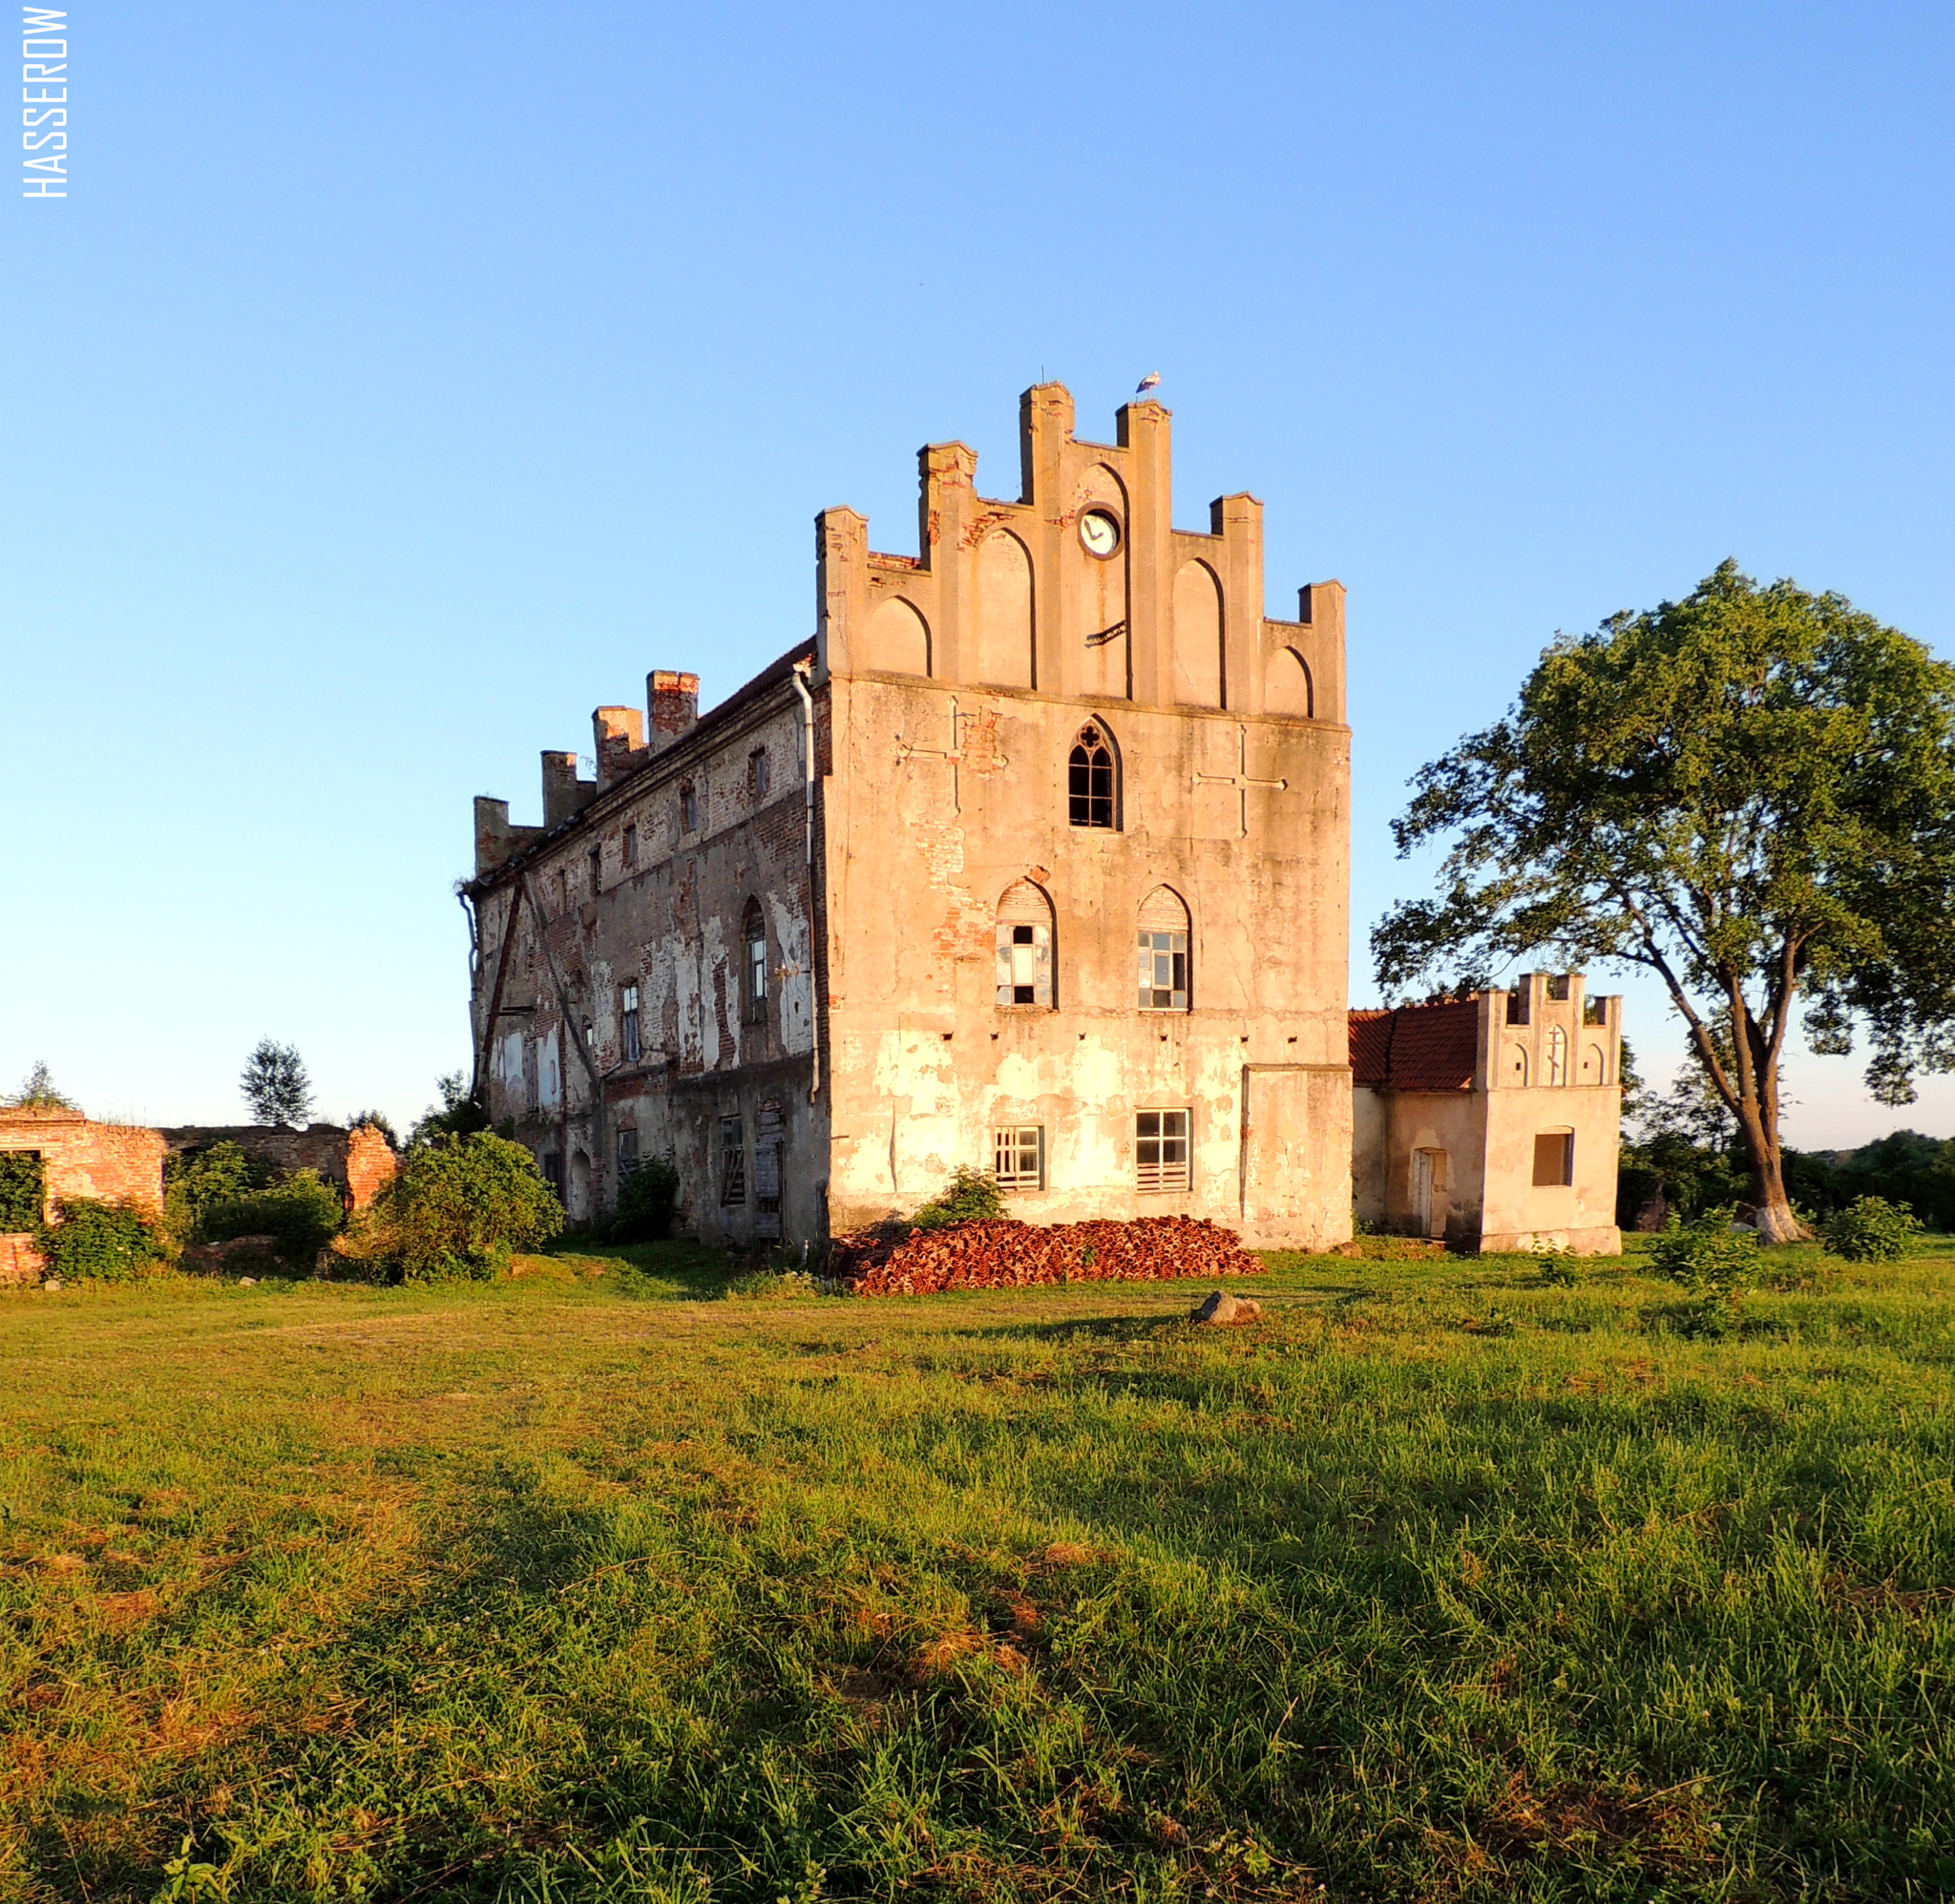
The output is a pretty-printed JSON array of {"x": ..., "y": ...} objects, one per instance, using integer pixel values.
[{"x": 1100, "y": 532}]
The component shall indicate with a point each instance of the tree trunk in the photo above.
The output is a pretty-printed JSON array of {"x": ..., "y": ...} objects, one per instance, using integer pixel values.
[{"x": 1774, "y": 1218}]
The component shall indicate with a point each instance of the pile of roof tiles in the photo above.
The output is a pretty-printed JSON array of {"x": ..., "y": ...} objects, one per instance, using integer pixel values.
[{"x": 1000, "y": 1255}]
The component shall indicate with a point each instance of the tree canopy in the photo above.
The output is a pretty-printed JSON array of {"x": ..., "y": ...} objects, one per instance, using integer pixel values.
[
  {"x": 274, "y": 1085},
  {"x": 1750, "y": 793}
]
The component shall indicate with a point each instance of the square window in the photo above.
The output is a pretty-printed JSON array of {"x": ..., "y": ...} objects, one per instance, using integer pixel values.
[
  {"x": 1018, "y": 1157},
  {"x": 1554, "y": 1158},
  {"x": 1163, "y": 972},
  {"x": 1161, "y": 1150}
]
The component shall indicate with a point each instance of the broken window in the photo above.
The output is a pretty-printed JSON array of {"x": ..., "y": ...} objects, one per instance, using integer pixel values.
[
  {"x": 1089, "y": 779},
  {"x": 630, "y": 851},
  {"x": 688, "y": 808},
  {"x": 770, "y": 1140},
  {"x": 627, "y": 1154},
  {"x": 1554, "y": 1158},
  {"x": 755, "y": 935},
  {"x": 1163, "y": 952},
  {"x": 757, "y": 773},
  {"x": 732, "y": 1161},
  {"x": 1161, "y": 1150},
  {"x": 1024, "y": 946},
  {"x": 595, "y": 857},
  {"x": 533, "y": 1077},
  {"x": 629, "y": 1022},
  {"x": 1557, "y": 1056},
  {"x": 1018, "y": 1157},
  {"x": 23, "y": 1189}
]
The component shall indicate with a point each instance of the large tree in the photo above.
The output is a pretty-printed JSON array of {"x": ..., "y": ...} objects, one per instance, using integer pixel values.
[
  {"x": 274, "y": 1085},
  {"x": 1750, "y": 793}
]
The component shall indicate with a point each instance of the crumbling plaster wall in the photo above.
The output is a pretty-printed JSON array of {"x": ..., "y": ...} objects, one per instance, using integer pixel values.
[
  {"x": 667, "y": 917},
  {"x": 950, "y": 785}
]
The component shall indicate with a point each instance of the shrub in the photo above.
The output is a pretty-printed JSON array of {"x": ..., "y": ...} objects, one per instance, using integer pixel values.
[
  {"x": 1559, "y": 1269},
  {"x": 772, "y": 1285},
  {"x": 1714, "y": 1259},
  {"x": 196, "y": 1182},
  {"x": 22, "y": 1185},
  {"x": 459, "y": 1208},
  {"x": 304, "y": 1214},
  {"x": 110, "y": 1242},
  {"x": 971, "y": 1195},
  {"x": 1870, "y": 1229},
  {"x": 647, "y": 1199}
]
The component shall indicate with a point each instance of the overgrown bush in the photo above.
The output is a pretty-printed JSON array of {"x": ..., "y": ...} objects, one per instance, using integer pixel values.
[
  {"x": 971, "y": 1195},
  {"x": 1716, "y": 1260},
  {"x": 197, "y": 1182},
  {"x": 1559, "y": 1268},
  {"x": 22, "y": 1185},
  {"x": 303, "y": 1213},
  {"x": 459, "y": 1208},
  {"x": 772, "y": 1285},
  {"x": 110, "y": 1242},
  {"x": 1870, "y": 1229},
  {"x": 647, "y": 1201}
]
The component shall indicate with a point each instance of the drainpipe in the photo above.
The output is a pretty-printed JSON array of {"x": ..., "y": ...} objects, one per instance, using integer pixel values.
[{"x": 800, "y": 677}]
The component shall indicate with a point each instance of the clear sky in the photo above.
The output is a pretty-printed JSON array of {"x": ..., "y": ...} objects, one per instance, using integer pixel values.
[{"x": 399, "y": 382}]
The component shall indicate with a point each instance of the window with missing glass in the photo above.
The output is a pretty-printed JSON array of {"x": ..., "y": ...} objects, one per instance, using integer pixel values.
[
  {"x": 1161, "y": 1149},
  {"x": 629, "y": 853},
  {"x": 1018, "y": 1157},
  {"x": 1163, "y": 972},
  {"x": 732, "y": 1161},
  {"x": 627, "y": 1153},
  {"x": 688, "y": 808},
  {"x": 754, "y": 931},
  {"x": 630, "y": 1024},
  {"x": 1555, "y": 1159}
]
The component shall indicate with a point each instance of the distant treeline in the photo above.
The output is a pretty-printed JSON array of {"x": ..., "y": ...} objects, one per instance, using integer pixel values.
[{"x": 1666, "y": 1171}]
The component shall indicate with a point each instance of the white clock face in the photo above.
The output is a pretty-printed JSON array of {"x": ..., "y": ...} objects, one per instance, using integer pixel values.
[{"x": 1100, "y": 532}]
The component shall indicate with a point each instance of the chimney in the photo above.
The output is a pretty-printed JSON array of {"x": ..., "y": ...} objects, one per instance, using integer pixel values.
[
  {"x": 617, "y": 734},
  {"x": 563, "y": 793},
  {"x": 674, "y": 702}
]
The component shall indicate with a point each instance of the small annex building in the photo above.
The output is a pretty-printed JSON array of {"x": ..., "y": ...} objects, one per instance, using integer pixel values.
[
  {"x": 1491, "y": 1120},
  {"x": 48, "y": 1152}
]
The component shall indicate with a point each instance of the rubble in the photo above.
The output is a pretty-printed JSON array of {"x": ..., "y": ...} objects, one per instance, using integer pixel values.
[
  {"x": 1223, "y": 1311},
  {"x": 1002, "y": 1255}
]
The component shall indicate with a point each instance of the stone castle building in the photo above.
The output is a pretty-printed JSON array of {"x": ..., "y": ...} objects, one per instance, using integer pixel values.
[
  {"x": 1492, "y": 1120},
  {"x": 1034, "y": 858}
]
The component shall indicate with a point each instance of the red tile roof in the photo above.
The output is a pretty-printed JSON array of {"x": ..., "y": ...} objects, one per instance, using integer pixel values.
[{"x": 1417, "y": 1047}]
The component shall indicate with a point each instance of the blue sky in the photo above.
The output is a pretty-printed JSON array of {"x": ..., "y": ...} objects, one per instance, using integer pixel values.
[{"x": 397, "y": 384}]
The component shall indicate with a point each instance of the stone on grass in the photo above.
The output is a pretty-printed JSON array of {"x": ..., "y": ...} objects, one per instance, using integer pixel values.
[{"x": 1225, "y": 1310}]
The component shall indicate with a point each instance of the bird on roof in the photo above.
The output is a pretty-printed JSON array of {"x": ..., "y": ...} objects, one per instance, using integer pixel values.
[{"x": 1150, "y": 382}]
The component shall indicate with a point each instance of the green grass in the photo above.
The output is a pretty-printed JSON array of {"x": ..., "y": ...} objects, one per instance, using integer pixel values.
[{"x": 1440, "y": 1582}]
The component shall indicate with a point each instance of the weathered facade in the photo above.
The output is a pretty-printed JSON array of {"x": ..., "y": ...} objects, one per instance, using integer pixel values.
[
  {"x": 1033, "y": 859},
  {"x": 77, "y": 1158},
  {"x": 1492, "y": 1120}
]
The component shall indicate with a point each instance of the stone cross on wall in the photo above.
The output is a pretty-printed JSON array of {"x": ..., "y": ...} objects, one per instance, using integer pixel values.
[
  {"x": 1241, "y": 779},
  {"x": 959, "y": 753}
]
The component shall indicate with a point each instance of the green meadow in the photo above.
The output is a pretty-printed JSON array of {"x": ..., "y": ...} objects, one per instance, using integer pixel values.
[{"x": 1441, "y": 1582}]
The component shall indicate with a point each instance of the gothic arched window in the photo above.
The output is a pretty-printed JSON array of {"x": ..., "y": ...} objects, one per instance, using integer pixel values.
[
  {"x": 1163, "y": 972},
  {"x": 1024, "y": 946},
  {"x": 1090, "y": 778},
  {"x": 755, "y": 935}
]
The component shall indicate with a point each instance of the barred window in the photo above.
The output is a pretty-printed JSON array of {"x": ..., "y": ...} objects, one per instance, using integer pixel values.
[
  {"x": 632, "y": 1031},
  {"x": 732, "y": 1161},
  {"x": 1018, "y": 1157},
  {"x": 1089, "y": 780},
  {"x": 1161, "y": 1150},
  {"x": 627, "y": 1154}
]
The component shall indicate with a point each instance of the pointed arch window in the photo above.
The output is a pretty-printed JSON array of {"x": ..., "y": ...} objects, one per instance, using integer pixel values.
[
  {"x": 1163, "y": 949},
  {"x": 754, "y": 932},
  {"x": 1091, "y": 781}
]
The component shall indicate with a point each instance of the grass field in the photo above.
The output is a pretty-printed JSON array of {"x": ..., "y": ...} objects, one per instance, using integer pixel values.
[{"x": 1437, "y": 1584}]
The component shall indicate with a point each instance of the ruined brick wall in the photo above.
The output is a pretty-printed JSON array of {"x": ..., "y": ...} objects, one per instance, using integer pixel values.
[
  {"x": 114, "y": 1162},
  {"x": 359, "y": 1162}
]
